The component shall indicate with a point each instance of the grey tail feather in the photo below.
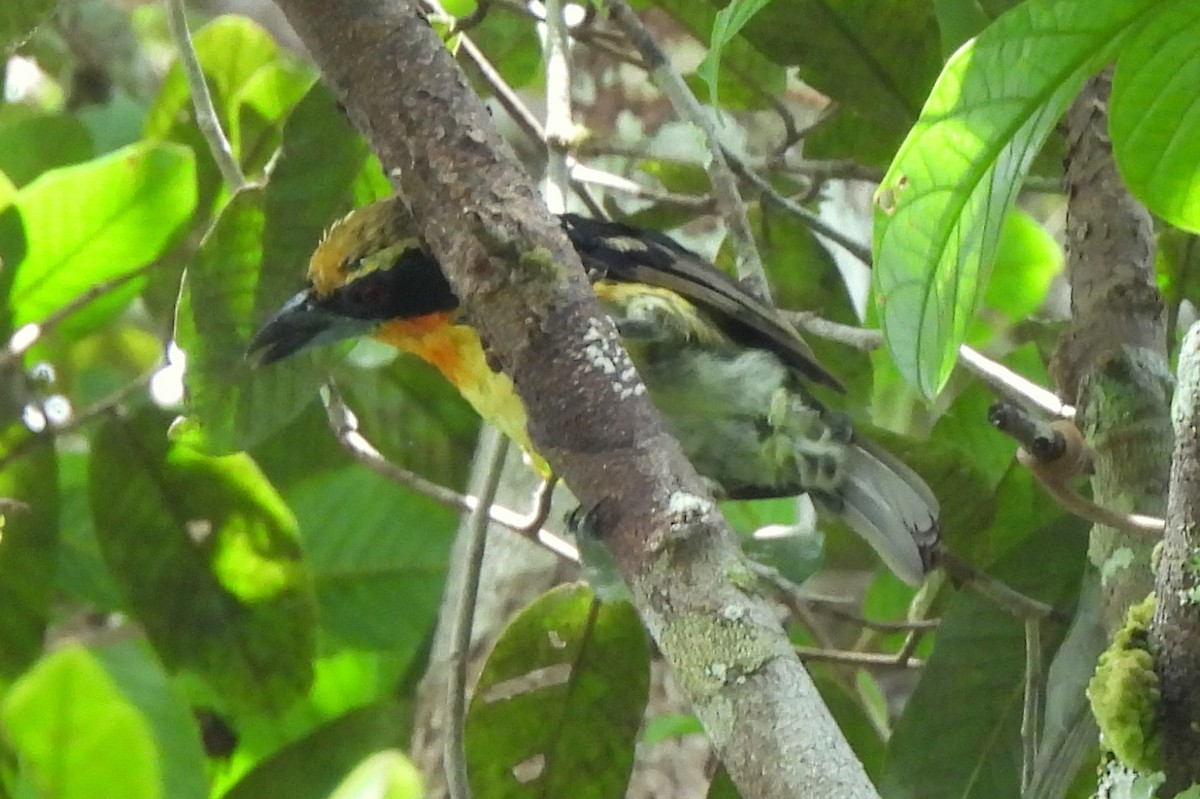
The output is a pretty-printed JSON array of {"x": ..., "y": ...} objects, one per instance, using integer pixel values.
[{"x": 889, "y": 505}]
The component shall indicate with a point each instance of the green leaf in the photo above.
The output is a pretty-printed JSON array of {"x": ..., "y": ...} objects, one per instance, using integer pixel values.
[
  {"x": 207, "y": 557},
  {"x": 141, "y": 680},
  {"x": 726, "y": 25},
  {"x": 558, "y": 706},
  {"x": 82, "y": 573},
  {"x": 1155, "y": 114},
  {"x": 18, "y": 18},
  {"x": 36, "y": 143},
  {"x": 512, "y": 45},
  {"x": 94, "y": 222},
  {"x": 722, "y": 786},
  {"x": 249, "y": 263},
  {"x": 312, "y": 767},
  {"x": 77, "y": 734},
  {"x": 28, "y": 547},
  {"x": 383, "y": 775},
  {"x": 941, "y": 206},
  {"x": 671, "y": 727},
  {"x": 260, "y": 107},
  {"x": 1027, "y": 260},
  {"x": 971, "y": 747},
  {"x": 231, "y": 50},
  {"x": 215, "y": 324},
  {"x": 415, "y": 417},
  {"x": 373, "y": 548}
]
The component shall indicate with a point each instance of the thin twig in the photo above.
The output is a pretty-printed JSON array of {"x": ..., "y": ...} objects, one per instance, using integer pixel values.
[
  {"x": 24, "y": 337},
  {"x": 559, "y": 124},
  {"x": 206, "y": 114},
  {"x": 995, "y": 375},
  {"x": 725, "y": 189},
  {"x": 1007, "y": 383},
  {"x": 1054, "y": 453},
  {"x": 517, "y": 110},
  {"x": 794, "y": 595},
  {"x": 814, "y": 222},
  {"x": 1031, "y": 710},
  {"x": 812, "y": 654},
  {"x": 1008, "y": 598},
  {"x": 597, "y": 177},
  {"x": 77, "y": 420},
  {"x": 345, "y": 429},
  {"x": 492, "y": 449}
]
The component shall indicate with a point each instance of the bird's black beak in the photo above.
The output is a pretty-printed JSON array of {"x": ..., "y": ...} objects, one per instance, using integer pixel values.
[{"x": 302, "y": 322}]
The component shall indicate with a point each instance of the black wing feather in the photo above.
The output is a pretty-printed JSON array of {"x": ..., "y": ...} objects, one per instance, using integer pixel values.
[{"x": 613, "y": 251}]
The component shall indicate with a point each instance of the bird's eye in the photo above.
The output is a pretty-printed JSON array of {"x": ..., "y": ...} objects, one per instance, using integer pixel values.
[{"x": 367, "y": 293}]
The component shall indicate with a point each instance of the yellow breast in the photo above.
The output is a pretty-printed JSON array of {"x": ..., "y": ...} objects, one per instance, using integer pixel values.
[{"x": 458, "y": 354}]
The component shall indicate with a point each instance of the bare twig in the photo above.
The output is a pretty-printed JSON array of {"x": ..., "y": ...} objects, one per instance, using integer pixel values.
[
  {"x": 345, "y": 429},
  {"x": 724, "y": 183},
  {"x": 24, "y": 337},
  {"x": 995, "y": 375},
  {"x": 1031, "y": 711},
  {"x": 1054, "y": 453},
  {"x": 814, "y": 222},
  {"x": 206, "y": 114},
  {"x": 559, "y": 125},
  {"x": 492, "y": 448},
  {"x": 812, "y": 654},
  {"x": 77, "y": 420},
  {"x": 1008, "y": 598}
]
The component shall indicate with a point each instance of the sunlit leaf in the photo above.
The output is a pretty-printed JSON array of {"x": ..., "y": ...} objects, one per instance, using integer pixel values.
[
  {"x": 207, "y": 557},
  {"x": 143, "y": 682},
  {"x": 98, "y": 221},
  {"x": 941, "y": 206},
  {"x": 29, "y": 498},
  {"x": 77, "y": 734},
  {"x": 311, "y": 767},
  {"x": 1155, "y": 114}
]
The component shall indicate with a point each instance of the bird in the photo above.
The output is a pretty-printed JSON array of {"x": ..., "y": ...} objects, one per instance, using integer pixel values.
[{"x": 730, "y": 375}]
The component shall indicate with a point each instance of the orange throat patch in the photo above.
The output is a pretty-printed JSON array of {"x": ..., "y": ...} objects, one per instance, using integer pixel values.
[{"x": 458, "y": 354}]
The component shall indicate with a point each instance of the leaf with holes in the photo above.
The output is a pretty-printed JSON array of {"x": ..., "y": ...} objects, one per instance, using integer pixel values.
[
  {"x": 207, "y": 557},
  {"x": 942, "y": 204},
  {"x": 557, "y": 708}
]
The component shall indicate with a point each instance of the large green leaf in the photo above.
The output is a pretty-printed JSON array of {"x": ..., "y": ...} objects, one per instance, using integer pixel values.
[
  {"x": 1155, "y": 114},
  {"x": 942, "y": 203},
  {"x": 28, "y": 547},
  {"x": 558, "y": 706},
  {"x": 35, "y": 143},
  {"x": 18, "y": 18},
  {"x": 378, "y": 557},
  {"x": 312, "y": 767},
  {"x": 143, "y": 682},
  {"x": 214, "y": 325},
  {"x": 77, "y": 734},
  {"x": 97, "y": 221},
  {"x": 232, "y": 50},
  {"x": 970, "y": 747},
  {"x": 207, "y": 557}
]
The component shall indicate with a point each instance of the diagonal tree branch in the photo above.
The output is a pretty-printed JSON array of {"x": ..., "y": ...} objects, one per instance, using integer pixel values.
[{"x": 521, "y": 284}]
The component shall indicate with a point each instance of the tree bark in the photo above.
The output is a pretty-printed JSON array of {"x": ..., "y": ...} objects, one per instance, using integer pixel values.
[
  {"x": 1112, "y": 363},
  {"x": 1175, "y": 629},
  {"x": 521, "y": 284}
]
